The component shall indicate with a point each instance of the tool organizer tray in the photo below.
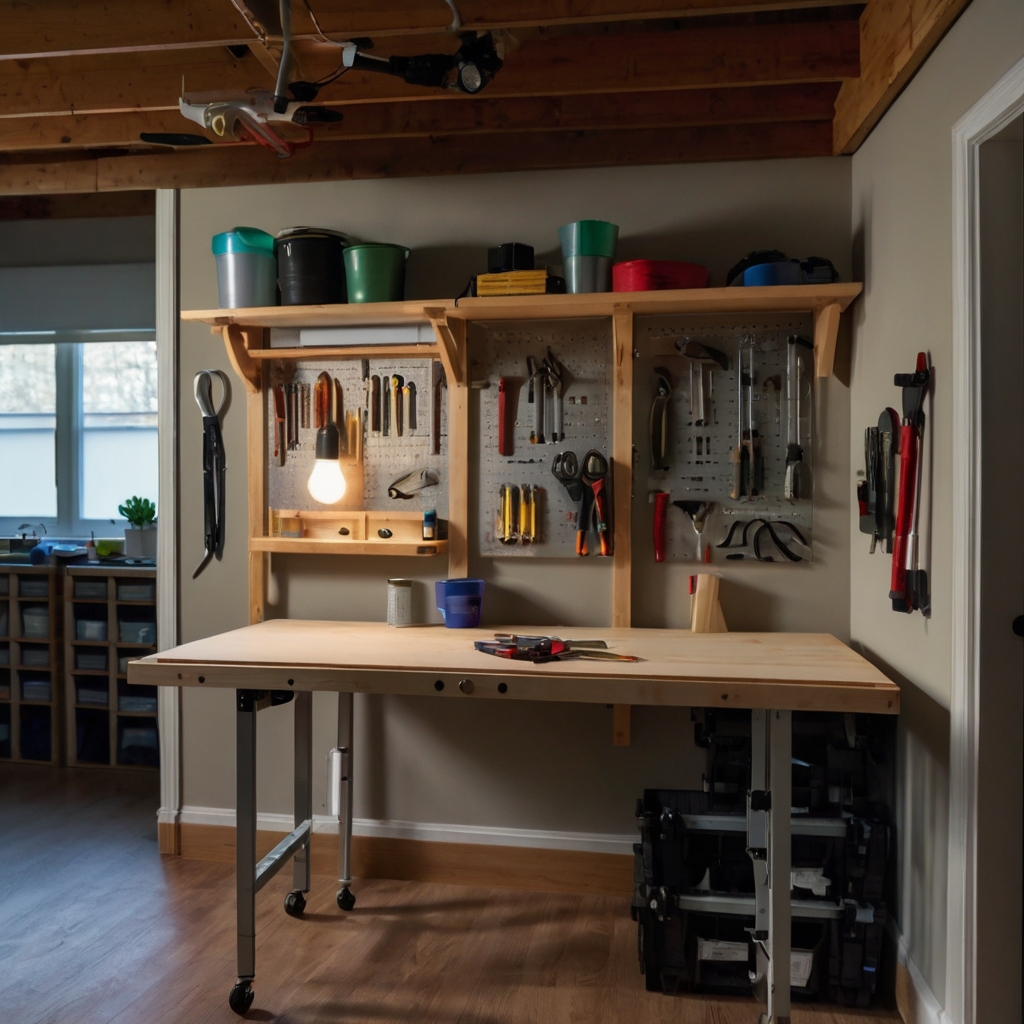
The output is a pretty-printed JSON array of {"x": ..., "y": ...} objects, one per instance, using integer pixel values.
[
  {"x": 500, "y": 349},
  {"x": 699, "y": 464},
  {"x": 385, "y": 458}
]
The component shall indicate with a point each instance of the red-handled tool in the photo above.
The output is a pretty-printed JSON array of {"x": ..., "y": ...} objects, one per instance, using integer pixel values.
[
  {"x": 660, "y": 499},
  {"x": 909, "y": 585},
  {"x": 594, "y": 474},
  {"x": 505, "y": 442}
]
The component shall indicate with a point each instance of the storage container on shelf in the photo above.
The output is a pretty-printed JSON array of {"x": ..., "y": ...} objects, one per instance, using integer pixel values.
[{"x": 246, "y": 268}]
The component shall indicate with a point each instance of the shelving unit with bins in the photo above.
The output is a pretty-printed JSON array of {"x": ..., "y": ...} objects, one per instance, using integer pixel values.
[
  {"x": 30, "y": 663},
  {"x": 109, "y": 725}
]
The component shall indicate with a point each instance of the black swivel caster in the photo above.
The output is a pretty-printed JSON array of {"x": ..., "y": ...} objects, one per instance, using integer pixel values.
[
  {"x": 241, "y": 997},
  {"x": 346, "y": 899},
  {"x": 294, "y": 904}
]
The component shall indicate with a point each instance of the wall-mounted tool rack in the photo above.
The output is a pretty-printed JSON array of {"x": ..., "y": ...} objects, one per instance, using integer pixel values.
[{"x": 245, "y": 333}]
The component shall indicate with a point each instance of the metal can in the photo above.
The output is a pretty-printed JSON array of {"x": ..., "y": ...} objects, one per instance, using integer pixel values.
[{"x": 399, "y": 602}]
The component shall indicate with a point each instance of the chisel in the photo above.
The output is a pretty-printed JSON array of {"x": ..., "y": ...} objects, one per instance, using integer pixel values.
[{"x": 375, "y": 404}]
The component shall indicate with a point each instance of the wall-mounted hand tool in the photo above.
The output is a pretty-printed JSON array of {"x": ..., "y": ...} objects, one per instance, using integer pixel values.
[
  {"x": 909, "y": 587},
  {"x": 375, "y": 425},
  {"x": 509, "y": 514},
  {"x": 397, "y": 418},
  {"x": 660, "y": 408},
  {"x": 885, "y": 500},
  {"x": 660, "y": 500},
  {"x": 697, "y": 512},
  {"x": 738, "y": 455},
  {"x": 565, "y": 468},
  {"x": 752, "y": 437},
  {"x": 530, "y": 525},
  {"x": 781, "y": 534},
  {"x": 795, "y": 485},
  {"x": 214, "y": 465},
  {"x": 594, "y": 474},
  {"x": 437, "y": 383},
  {"x": 280, "y": 438},
  {"x": 535, "y": 397},
  {"x": 385, "y": 401},
  {"x": 774, "y": 382},
  {"x": 557, "y": 378},
  {"x": 416, "y": 480},
  {"x": 506, "y": 417},
  {"x": 304, "y": 403},
  {"x": 706, "y": 360},
  {"x": 410, "y": 406}
]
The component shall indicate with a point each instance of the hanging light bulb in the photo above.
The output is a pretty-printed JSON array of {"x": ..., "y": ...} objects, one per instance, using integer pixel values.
[{"x": 327, "y": 483}]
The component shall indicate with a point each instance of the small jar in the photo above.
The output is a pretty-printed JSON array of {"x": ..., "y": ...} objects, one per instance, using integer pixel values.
[
  {"x": 430, "y": 524},
  {"x": 399, "y": 603}
]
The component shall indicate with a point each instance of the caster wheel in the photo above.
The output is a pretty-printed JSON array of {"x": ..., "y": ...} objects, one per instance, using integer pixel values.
[
  {"x": 346, "y": 899},
  {"x": 294, "y": 904},
  {"x": 241, "y": 997}
]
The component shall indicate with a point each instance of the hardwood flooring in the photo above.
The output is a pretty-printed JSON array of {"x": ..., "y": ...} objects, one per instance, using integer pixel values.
[{"x": 97, "y": 928}]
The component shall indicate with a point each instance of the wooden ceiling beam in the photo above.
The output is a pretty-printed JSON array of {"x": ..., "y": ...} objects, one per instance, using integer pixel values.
[
  {"x": 694, "y": 57},
  {"x": 681, "y": 108},
  {"x": 62, "y": 28},
  {"x": 895, "y": 39},
  {"x": 393, "y": 158},
  {"x": 78, "y": 205}
]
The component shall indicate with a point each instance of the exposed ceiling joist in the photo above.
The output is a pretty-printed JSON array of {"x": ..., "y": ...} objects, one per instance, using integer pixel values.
[{"x": 440, "y": 117}]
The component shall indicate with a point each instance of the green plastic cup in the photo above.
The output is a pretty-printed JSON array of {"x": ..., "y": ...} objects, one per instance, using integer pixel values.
[
  {"x": 589, "y": 238},
  {"x": 375, "y": 272}
]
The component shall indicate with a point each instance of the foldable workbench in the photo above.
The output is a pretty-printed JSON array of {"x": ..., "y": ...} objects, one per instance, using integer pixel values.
[{"x": 277, "y": 661}]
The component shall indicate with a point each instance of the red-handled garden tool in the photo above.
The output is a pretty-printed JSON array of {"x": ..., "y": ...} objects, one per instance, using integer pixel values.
[
  {"x": 909, "y": 588},
  {"x": 661, "y": 500}
]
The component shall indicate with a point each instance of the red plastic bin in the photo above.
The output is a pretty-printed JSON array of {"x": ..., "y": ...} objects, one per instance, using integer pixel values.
[{"x": 657, "y": 275}]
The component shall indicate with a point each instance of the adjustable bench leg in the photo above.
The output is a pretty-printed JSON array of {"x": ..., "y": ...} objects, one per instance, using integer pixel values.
[
  {"x": 245, "y": 847},
  {"x": 295, "y": 902},
  {"x": 346, "y": 898}
]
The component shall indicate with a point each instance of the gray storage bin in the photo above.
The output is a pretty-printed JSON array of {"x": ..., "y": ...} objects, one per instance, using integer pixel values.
[
  {"x": 137, "y": 632},
  {"x": 135, "y": 703},
  {"x": 94, "y": 589},
  {"x": 91, "y": 660},
  {"x": 35, "y": 621},
  {"x": 33, "y": 586},
  {"x": 35, "y": 689},
  {"x": 5, "y": 585},
  {"x": 91, "y": 629},
  {"x": 38, "y": 657},
  {"x": 129, "y": 591}
]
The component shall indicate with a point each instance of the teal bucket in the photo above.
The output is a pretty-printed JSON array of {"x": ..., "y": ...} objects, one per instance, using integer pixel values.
[
  {"x": 589, "y": 238},
  {"x": 375, "y": 272}
]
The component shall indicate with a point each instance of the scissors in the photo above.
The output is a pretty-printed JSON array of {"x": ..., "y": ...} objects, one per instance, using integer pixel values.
[{"x": 214, "y": 464}]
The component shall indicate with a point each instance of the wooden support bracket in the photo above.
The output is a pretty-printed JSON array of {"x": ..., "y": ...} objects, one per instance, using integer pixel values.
[
  {"x": 705, "y": 609},
  {"x": 237, "y": 340},
  {"x": 451, "y": 339},
  {"x": 826, "y": 330}
]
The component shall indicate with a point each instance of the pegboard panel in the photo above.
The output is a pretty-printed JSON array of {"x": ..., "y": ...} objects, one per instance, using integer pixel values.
[
  {"x": 700, "y": 467},
  {"x": 500, "y": 349},
  {"x": 385, "y": 458}
]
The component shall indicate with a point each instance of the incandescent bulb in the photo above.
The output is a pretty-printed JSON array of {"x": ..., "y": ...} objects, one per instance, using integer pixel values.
[{"x": 327, "y": 483}]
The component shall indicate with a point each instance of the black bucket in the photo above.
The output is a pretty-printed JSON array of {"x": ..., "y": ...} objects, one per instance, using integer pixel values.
[{"x": 310, "y": 267}]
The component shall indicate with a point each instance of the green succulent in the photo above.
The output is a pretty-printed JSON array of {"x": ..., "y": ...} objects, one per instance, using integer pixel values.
[{"x": 138, "y": 511}]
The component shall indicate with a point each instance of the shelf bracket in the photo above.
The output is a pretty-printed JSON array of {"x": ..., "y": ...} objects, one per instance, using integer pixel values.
[
  {"x": 236, "y": 341},
  {"x": 826, "y": 330},
  {"x": 451, "y": 340}
]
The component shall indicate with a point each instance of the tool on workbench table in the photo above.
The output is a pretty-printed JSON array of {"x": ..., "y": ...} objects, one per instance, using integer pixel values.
[
  {"x": 280, "y": 440},
  {"x": 546, "y": 649},
  {"x": 214, "y": 465},
  {"x": 909, "y": 587},
  {"x": 415, "y": 480},
  {"x": 437, "y": 382},
  {"x": 375, "y": 404},
  {"x": 522, "y": 639},
  {"x": 697, "y": 512},
  {"x": 506, "y": 444},
  {"x": 660, "y": 500},
  {"x": 780, "y": 532},
  {"x": 704, "y": 358},
  {"x": 594, "y": 474},
  {"x": 794, "y": 485},
  {"x": 659, "y": 423}
]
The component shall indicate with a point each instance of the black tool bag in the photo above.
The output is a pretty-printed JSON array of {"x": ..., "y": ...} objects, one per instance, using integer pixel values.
[
  {"x": 867, "y": 859},
  {"x": 855, "y": 954}
]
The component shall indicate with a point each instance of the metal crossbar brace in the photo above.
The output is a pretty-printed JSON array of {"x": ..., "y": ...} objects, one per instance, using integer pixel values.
[{"x": 295, "y": 842}]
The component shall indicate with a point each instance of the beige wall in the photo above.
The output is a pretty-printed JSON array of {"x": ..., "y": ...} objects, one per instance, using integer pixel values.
[
  {"x": 535, "y": 767},
  {"x": 902, "y": 243}
]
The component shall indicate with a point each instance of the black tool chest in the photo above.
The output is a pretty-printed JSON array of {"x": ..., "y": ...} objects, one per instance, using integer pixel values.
[{"x": 693, "y": 895}]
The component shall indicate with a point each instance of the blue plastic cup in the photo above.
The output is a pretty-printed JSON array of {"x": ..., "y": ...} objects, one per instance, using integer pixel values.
[{"x": 460, "y": 602}]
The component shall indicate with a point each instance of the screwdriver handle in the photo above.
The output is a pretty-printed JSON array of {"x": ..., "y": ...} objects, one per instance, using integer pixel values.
[{"x": 736, "y": 458}]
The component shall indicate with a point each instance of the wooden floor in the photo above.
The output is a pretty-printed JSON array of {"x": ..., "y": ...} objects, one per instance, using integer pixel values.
[{"x": 97, "y": 928}]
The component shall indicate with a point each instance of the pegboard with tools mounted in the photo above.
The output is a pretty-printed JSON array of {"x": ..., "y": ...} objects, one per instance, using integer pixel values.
[
  {"x": 393, "y": 410},
  {"x": 541, "y": 389},
  {"x": 723, "y": 430}
]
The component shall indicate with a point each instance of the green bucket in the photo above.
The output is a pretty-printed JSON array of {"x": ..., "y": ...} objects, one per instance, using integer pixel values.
[
  {"x": 589, "y": 238},
  {"x": 375, "y": 272}
]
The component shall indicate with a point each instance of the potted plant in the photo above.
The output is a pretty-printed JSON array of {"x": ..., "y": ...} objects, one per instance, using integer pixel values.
[{"x": 140, "y": 534}]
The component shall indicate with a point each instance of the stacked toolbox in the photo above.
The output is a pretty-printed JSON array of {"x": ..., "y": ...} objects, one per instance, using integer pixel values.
[{"x": 694, "y": 884}]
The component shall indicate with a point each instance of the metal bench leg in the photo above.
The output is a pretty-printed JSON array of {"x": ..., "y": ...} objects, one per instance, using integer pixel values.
[
  {"x": 245, "y": 847},
  {"x": 346, "y": 898},
  {"x": 294, "y": 903}
]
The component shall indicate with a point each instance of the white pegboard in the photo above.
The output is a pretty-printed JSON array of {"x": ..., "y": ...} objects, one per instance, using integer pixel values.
[
  {"x": 500, "y": 349},
  {"x": 384, "y": 458},
  {"x": 700, "y": 468}
]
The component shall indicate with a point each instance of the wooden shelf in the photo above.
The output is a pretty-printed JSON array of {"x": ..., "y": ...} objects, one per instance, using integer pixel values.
[
  {"x": 324, "y": 546},
  {"x": 348, "y": 352}
]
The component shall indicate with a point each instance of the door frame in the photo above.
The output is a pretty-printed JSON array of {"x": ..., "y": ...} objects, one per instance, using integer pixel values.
[
  {"x": 167, "y": 588},
  {"x": 989, "y": 116}
]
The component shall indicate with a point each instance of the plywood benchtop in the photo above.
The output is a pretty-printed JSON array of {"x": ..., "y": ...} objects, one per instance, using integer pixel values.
[{"x": 784, "y": 671}]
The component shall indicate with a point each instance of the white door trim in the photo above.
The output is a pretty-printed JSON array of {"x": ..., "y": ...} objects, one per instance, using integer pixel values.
[
  {"x": 169, "y": 698},
  {"x": 986, "y": 118}
]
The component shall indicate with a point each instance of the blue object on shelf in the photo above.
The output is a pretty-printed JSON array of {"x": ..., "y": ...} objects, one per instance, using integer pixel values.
[
  {"x": 785, "y": 272},
  {"x": 459, "y": 602}
]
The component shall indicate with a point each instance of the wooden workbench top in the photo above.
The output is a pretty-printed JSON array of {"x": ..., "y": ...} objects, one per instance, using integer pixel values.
[{"x": 797, "y": 671}]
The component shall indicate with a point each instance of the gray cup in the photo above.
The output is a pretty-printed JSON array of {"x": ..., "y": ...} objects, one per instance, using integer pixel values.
[
  {"x": 246, "y": 279},
  {"x": 587, "y": 274}
]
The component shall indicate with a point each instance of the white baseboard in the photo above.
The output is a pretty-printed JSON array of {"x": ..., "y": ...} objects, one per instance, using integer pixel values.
[
  {"x": 928, "y": 1008},
  {"x": 588, "y": 842},
  {"x": 167, "y": 816}
]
